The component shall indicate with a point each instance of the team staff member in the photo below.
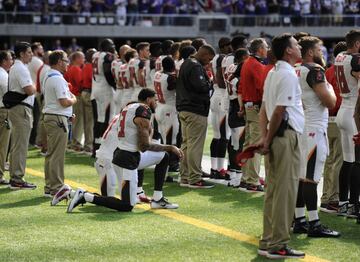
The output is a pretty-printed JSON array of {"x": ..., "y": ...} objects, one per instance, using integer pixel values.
[
  {"x": 281, "y": 122},
  {"x": 21, "y": 115},
  {"x": 251, "y": 90},
  {"x": 193, "y": 103},
  {"x": 57, "y": 110},
  {"x": 5, "y": 64},
  {"x": 330, "y": 196}
]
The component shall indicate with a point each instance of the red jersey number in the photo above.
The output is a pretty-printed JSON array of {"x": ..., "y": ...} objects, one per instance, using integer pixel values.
[
  {"x": 159, "y": 92},
  {"x": 122, "y": 123},
  {"x": 110, "y": 127},
  {"x": 341, "y": 80},
  {"x": 124, "y": 80}
]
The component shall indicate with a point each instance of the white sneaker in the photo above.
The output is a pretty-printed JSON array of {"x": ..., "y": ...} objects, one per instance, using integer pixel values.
[
  {"x": 77, "y": 200},
  {"x": 163, "y": 203},
  {"x": 61, "y": 194}
]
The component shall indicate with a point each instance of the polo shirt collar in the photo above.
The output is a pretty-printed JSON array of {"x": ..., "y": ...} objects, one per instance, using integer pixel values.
[{"x": 283, "y": 64}]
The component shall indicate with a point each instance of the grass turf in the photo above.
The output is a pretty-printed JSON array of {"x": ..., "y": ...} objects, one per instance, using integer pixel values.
[{"x": 32, "y": 230}]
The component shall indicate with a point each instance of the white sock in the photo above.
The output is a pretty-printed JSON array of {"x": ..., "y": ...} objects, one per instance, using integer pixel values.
[
  {"x": 157, "y": 195},
  {"x": 220, "y": 163},
  {"x": 214, "y": 163},
  {"x": 313, "y": 215},
  {"x": 72, "y": 193},
  {"x": 299, "y": 212},
  {"x": 140, "y": 190},
  {"x": 239, "y": 176},
  {"x": 89, "y": 197}
]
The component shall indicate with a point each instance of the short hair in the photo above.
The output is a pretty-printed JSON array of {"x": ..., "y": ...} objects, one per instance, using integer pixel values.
[
  {"x": 155, "y": 48},
  {"x": 165, "y": 46},
  {"x": 351, "y": 37},
  {"x": 129, "y": 55},
  {"x": 186, "y": 42},
  {"x": 21, "y": 47},
  {"x": 89, "y": 54},
  {"x": 4, "y": 55},
  {"x": 55, "y": 56},
  {"x": 198, "y": 42},
  {"x": 256, "y": 44},
  {"x": 224, "y": 41},
  {"x": 168, "y": 64},
  {"x": 146, "y": 93},
  {"x": 240, "y": 54},
  {"x": 209, "y": 49},
  {"x": 239, "y": 41},
  {"x": 187, "y": 51},
  {"x": 280, "y": 43},
  {"x": 175, "y": 47},
  {"x": 76, "y": 55},
  {"x": 307, "y": 43},
  {"x": 140, "y": 46},
  {"x": 339, "y": 47},
  {"x": 300, "y": 35},
  {"x": 35, "y": 46},
  {"x": 107, "y": 45}
]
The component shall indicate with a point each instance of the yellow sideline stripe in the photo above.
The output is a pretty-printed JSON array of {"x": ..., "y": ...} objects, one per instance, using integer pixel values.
[{"x": 183, "y": 218}]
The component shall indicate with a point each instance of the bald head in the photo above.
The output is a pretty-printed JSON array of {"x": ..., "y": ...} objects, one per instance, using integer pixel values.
[{"x": 46, "y": 57}]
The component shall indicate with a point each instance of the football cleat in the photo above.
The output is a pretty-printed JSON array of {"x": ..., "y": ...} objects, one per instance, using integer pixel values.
[
  {"x": 77, "y": 200},
  {"x": 163, "y": 203},
  {"x": 142, "y": 198},
  {"x": 61, "y": 194}
]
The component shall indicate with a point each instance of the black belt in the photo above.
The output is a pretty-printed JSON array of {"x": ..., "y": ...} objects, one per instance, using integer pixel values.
[
  {"x": 67, "y": 117},
  {"x": 27, "y": 105}
]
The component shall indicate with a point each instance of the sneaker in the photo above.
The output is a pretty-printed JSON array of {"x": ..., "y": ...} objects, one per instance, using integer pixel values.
[
  {"x": 4, "y": 182},
  {"x": 21, "y": 185},
  {"x": 254, "y": 188},
  {"x": 77, "y": 200},
  {"x": 61, "y": 194},
  {"x": 243, "y": 186},
  {"x": 285, "y": 252},
  {"x": 214, "y": 174},
  {"x": 342, "y": 210},
  {"x": 204, "y": 174},
  {"x": 163, "y": 203},
  {"x": 352, "y": 212},
  {"x": 88, "y": 151},
  {"x": 174, "y": 167},
  {"x": 224, "y": 175},
  {"x": 201, "y": 184},
  {"x": 48, "y": 194},
  {"x": 262, "y": 252},
  {"x": 316, "y": 229},
  {"x": 184, "y": 184},
  {"x": 262, "y": 181},
  {"x": 330, "y": 208},
  {"x": 43, "y": 153},
  {"x": 301, "y": 226},
  {"x": 169, "y": 179},
  {"x": 142, "y": 198}
]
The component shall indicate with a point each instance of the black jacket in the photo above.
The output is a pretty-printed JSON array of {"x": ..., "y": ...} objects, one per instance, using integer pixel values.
[{"x": 193, "y": 88}]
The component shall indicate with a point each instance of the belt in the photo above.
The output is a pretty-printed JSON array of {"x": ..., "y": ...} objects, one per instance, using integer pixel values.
[
  {"x": 27, "y": 105},
  {"x": 332, "y": 118},
  {"x": 88, "y": 90},
  {"x": 56, "y": 115},
  {"x": 252, "y": 105}
]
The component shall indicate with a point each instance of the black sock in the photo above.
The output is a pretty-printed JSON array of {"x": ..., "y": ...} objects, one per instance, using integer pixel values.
[
  {"x": 214, "y": 147},
  {"x": 354, "y": 184},
  {"x": 310, "y": 196},
  {"x": 221, "y": 149},
  {"x": 344, "y": 176},
  {"x": 140, "y": 177},
  {"x": 300, "y": 198},
  {"x": 103, "y": 187},
  {"x": 160, "y": 172}
]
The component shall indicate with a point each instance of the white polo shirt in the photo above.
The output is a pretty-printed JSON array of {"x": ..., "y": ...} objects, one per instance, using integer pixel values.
[
  {"x": 19, "y": 77},
  {"x": 34, "y": 66},
  {"x": 282, "y": 88},
  {"x": 3, "y": 84},
  {"x": 55, "y": 88}
]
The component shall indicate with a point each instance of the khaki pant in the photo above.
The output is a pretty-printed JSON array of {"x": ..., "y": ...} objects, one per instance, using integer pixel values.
[
  {"x": 78, "y": 124},
  {"x": 4, "y": 139},
  {"x": 21, "y": 118},
  {"x": 251, "y": 169},
  {"x": 332, "y": 166},
  {"x": 281, "y": 192},
  {"x": 88, "y": 119},
  {"x": 193, "y": 128},
  {"x": 54, "y": 160},
  {"x": 41, "y": 133}
]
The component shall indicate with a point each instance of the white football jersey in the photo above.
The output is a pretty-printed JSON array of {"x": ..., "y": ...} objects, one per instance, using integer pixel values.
[
  {"x": 115, "y": 70},
  {"x": 164, "y": 95},
  {"x": 128, "y": 133},
  {"x": 100, "y": 86},
  {"x": 149, "y": 78},
  {"x": 133, "y": 68},
  {"x": 231, "y": 81},
  {"x": 125, "y": 76},
  {"x": 225, "y": 63},
  {"x": 109, "y": 140},
  {"x": 158, "y": 63},
  {"x": 316, "y": 114}
]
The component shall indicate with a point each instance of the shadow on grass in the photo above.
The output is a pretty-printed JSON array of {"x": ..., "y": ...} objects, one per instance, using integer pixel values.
[
  {"x": 25, "y": 203},
  {"x": 5, "y": 190}
]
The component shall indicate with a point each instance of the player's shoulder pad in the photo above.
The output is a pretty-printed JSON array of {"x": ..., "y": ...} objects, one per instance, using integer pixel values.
[
  {"x": 316, "y": 74},
  {"x": 109, "y": 57},
  {"x": 355, "y": 63},
  {"x": 219, "y": 60},
  {"x": 142, "y": 64},
  {"x": 143, "y": 111}
]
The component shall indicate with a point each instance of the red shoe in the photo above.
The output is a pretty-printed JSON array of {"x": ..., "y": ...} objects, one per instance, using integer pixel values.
[{"x": 144, "y": 198}]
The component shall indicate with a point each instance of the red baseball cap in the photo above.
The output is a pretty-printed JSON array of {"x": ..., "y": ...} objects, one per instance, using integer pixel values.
[{"x": 246, "y": 154}]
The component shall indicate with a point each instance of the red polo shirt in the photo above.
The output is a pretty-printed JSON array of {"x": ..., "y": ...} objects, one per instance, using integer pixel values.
[
  {"x": 330, "y": 77},
  {"x": 251, "y": 82},
  {"x": 87, "y": 76},
  {"x": 74, "y": 76}
]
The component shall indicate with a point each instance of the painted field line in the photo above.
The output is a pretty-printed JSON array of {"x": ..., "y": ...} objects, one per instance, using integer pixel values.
[{"x": 183, "y": 218}]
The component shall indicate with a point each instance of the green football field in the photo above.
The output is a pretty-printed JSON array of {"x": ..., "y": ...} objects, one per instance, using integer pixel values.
[{"x": 219, "y": 224}]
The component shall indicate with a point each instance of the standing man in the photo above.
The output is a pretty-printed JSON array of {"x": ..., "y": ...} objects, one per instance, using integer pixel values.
[
  {"x": 21, "y": 115},
  {"x": 193, "y": 92},
  {"x": 281, "y": 122},
  {"x": 251, "y": 91},
  {"x": 57, "y": 110},
  {"x": 5, "y": 64}
]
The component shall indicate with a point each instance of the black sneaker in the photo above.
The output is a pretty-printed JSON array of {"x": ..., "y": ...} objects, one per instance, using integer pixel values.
[
  {"x": 316, "y": 229},
  {"x": 201, "y": 184},
  {"x": 330, "y": 208},
  {"x": 342, "y": 210},
  {"x": 4, "y": 182},
  {"x": 76, "y": 200},
  {"x": 285, "y": 252},
  {"x": 204, "y": 174},
  {"x": 301, "y": 226},
  {"x": 243, "y": 186},
  {"x": 254, "y": 188},
  {"x": 21, "y": 185},
  {"x": 214, "y": 174},
  {"x": 352, "y": 211}
]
